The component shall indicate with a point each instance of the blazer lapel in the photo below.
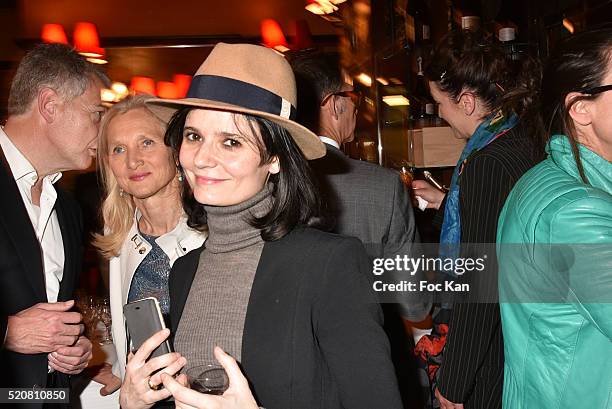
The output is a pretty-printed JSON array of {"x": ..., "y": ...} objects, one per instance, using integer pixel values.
[
  {"x": 181, "y": 277},
  {"x": 134, "y": 250},
  {"x": 71, "y": 238},
  {"x": 14, "y": 217}
]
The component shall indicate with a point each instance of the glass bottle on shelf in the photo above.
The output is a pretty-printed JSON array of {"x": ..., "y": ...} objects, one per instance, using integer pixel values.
[
  {"x": 507, "y": 36},
  {"x": 470, "y": 22},
  {"x": 423, "y": 98}
]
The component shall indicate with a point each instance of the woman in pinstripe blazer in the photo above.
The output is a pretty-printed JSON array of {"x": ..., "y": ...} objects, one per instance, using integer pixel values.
[{"x": 487, "y": 99}]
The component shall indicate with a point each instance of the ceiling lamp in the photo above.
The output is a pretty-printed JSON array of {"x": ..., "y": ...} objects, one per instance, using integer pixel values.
[
  {"x": 120, "y": 90},
  {"x": 272, "y": 35},
  {"x": 142, "y": 85},
  {"x": 167, "y": 89},
  {"x": 396, "y": 100},
  {"x": 87, "y": 43},
  {"x": 182, "y": 82},
  {"x": 108, "y": 95},
  {"x": 53, "y": 33},
  {"x": 365, "y": 79},
  {"x": 119, "y": 87},
  {"x": 569, "y": 26},
  {"x": 321, "y": 7}
]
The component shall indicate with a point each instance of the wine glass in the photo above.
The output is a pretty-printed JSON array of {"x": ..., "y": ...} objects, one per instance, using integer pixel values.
[
  {"x": 86, "y": 305},
  {"x": 103, "y": 315},
  {"x": 209, "y": 379},
  {"x": 407, "y": 175}
]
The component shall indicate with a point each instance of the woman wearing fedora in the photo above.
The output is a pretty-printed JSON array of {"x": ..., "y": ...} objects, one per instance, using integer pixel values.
[{"x": 292, "y": 304}]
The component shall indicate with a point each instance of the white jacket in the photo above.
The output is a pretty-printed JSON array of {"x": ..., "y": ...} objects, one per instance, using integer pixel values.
[{"x": 175, "y": 244}]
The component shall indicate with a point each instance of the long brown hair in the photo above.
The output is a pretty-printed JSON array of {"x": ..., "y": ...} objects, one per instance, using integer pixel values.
[{"x": 468, "y": 60}]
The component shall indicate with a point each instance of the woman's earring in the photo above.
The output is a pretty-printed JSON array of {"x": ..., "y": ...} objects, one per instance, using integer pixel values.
[
  {"x": 179, "y": 172},
  {"x": 121, "y": 192}
]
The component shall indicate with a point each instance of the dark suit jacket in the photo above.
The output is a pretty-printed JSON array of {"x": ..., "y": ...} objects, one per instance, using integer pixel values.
[
  {"x": 370, "y": 202},
  {"x": 313, "y": 334},
  {"x": 22, "y": 282},
  {"x": 472, "y": 368}
]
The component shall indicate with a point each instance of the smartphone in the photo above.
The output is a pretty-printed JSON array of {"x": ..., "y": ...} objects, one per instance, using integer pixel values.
[{"x": 144, "y": 318}]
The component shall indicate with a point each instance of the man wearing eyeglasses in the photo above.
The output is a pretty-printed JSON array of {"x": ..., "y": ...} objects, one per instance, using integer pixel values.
[{"x": 367, "y": 201}]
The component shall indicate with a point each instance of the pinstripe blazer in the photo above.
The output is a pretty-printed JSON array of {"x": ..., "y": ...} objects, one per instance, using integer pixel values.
[
  {"x": 369, "y": 202},
  {"x": 472, "y": 369}
]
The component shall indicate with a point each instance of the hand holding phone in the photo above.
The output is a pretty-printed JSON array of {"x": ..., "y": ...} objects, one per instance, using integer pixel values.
[
  {"x": 144, "y": 318},
  {"x": 143, "y": 376}
]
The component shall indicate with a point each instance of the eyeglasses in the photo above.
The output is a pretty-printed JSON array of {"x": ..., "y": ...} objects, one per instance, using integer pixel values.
[
  {"x": 355, "y": 96},
  {"x": 597, "y": 90}
]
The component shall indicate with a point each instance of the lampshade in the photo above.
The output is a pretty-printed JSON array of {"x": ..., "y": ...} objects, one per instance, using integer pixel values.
[
  {"x": 142, "y": 85},
  {"x": 321, "y": 7},
  {"x": 86, "y": 40},
  {"x": 53, "y": 33},
  {"x": 167, "y": 89},
  {"x": 272, "y": 35},
  {"x": 182, "y": 82}
]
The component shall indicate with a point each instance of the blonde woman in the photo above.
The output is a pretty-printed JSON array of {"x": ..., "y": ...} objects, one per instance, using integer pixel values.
[{"x": 145, "y": 227}]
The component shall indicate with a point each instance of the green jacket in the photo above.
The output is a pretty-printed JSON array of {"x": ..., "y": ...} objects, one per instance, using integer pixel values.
[{"x": 555, "y": 279}]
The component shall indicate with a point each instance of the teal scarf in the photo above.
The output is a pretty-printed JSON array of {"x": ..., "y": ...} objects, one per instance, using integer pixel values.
[{"x": 493, "y": 127}]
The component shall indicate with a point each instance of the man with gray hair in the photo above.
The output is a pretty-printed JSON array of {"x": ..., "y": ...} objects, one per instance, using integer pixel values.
[{"x": 54, "y": 111}]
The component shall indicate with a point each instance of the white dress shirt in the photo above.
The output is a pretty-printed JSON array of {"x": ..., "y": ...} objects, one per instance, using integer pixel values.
[
  {"x": 43, "y": 217},
  {"x": 329, "y": 141}
]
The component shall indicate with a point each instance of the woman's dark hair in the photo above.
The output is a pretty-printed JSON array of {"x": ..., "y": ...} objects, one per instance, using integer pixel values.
[
  {"x": 577, "y": 64},
  {"x": 467, "y": 60},
  {"x": 295, "y": 195}
]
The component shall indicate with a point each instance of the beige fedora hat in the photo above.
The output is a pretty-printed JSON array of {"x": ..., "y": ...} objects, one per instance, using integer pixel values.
[{"x": 247, "y": 79}]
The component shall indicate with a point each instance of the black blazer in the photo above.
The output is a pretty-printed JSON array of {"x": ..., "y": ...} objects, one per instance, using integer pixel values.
[
  {"x": 22, "y": 282},
  {"x": 313, "y": 336}
]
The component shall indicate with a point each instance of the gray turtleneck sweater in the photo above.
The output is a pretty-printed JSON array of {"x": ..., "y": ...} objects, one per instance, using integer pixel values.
[{"x": 215, "y": 309}]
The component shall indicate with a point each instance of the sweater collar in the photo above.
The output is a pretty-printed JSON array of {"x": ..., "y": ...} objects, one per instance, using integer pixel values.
[
  {"x": 598, "y": 170},
  {"x": 228, "y": 226}
]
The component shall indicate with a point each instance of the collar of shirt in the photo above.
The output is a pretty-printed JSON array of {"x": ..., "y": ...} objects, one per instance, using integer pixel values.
[
  {"x": 329, "y": 141},
  {"x": 175, "y": 243},
  {"x": 20, "y": 165}
]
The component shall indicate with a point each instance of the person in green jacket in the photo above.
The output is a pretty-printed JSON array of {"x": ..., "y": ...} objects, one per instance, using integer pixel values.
[{"x": 555, "y": 242}]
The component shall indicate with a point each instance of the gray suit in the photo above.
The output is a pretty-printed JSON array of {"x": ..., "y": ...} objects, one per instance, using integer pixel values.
[{"x": 369, "y": 202}]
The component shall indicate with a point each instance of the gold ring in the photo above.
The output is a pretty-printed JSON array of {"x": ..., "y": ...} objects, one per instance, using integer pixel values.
[{"x": 151, "y": 386}]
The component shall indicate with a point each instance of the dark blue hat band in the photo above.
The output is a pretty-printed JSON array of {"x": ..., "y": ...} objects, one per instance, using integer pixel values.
[{"x": 240, "y": 93}]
